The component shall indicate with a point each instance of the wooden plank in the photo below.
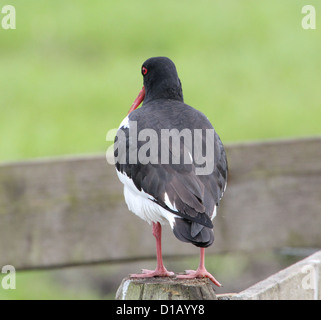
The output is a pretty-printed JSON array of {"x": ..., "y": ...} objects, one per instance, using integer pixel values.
[
  {"x": 300, "y": 281},
  {"x": 70, "y": 211},
  {"x": 273, "y": 198}
]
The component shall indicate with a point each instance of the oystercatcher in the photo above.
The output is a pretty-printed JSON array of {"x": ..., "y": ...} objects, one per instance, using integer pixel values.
[{"x": 159, "y": 157}]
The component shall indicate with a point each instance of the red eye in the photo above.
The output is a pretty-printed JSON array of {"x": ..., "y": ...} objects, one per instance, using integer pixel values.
[{"x": 144, "y": 71}]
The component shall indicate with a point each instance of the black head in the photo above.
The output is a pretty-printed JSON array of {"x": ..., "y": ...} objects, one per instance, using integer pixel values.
[
  {"x": 161, "y": 79},
  {"x": 160, "y": 82}
]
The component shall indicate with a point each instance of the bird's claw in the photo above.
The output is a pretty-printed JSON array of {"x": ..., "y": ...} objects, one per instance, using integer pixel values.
[
  {"x": 199, "y": 273},
  {"x": 153, "y": 273}
]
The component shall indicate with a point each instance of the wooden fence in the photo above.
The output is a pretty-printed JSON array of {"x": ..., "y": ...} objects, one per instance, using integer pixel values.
[{"x": 71, "y": 211}]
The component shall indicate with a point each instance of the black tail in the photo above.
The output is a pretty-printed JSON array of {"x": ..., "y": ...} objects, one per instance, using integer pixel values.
[{"x": 193, "y": 232}]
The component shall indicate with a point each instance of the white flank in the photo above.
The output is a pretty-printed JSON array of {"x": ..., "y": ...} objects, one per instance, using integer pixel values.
[
  {"x": 125, "y": 123},
  {"x": 142, "y": 204}
]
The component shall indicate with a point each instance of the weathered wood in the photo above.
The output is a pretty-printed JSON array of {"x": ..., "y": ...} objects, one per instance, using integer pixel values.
[
  {"x": 300, "y": 281},
  {"x": 71, "y": 210},
  {"x": 274, "y": 196},
  {"x": 165, "y": 289}
]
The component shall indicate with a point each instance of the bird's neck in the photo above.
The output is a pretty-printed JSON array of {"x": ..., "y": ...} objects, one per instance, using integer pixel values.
[{"x": 164, "y": 91}]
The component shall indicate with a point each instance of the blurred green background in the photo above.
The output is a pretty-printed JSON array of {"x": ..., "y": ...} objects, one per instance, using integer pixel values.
[{"x": 70, "y": 71}]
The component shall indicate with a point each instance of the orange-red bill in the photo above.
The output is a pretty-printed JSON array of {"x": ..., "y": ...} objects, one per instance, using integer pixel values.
[{"x": 138, "y": 100}]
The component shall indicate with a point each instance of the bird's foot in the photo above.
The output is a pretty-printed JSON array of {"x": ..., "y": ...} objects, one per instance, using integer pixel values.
[
  {"x": 199, "y": 273},
  {"x": 158, "y": 272}
]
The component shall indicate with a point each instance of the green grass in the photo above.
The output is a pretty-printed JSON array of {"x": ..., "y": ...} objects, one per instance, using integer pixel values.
[
  {"x": 38, "y": 285},
  {"x": 70, "y": 71}
]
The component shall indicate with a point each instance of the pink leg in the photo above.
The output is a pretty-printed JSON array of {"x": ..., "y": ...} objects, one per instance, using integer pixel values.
[
  {"x": 160, "y": 270},
  {"x": 201, "y": 272}
]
